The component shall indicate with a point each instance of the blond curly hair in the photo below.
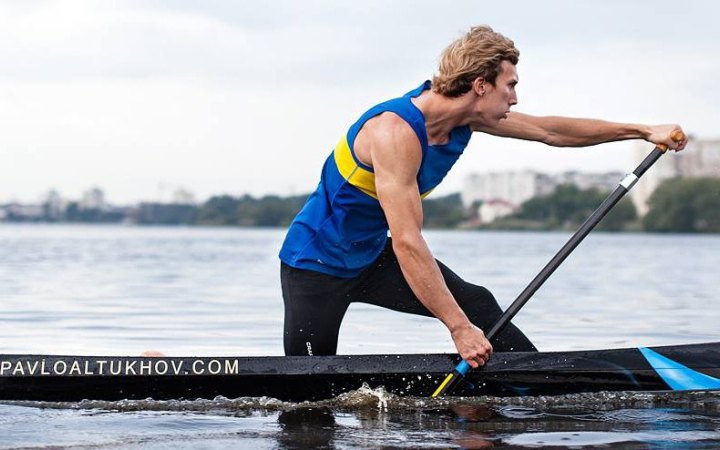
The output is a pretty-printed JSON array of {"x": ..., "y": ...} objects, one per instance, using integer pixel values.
[{"x": 477, "y": 54}]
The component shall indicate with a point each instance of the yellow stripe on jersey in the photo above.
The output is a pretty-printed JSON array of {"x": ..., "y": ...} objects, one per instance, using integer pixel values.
[{"x": 356, "y": 175}]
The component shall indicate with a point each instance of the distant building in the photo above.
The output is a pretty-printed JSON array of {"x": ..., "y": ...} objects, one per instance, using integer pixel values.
[
  {"x": 518, "y": 187},
  {"x": 93, "y": 199},
  {"x": 511, "y": 187},
  {"x": 701, "y": 158},
  {"x": 53, "y": 205},
  {"x": 24, "y": 213},
  {"x": 607, "y": 181},
  {"x": 504, "y": 192},
  {"x": 492, "y": 210},
  {"x": 182, "y": 196}
]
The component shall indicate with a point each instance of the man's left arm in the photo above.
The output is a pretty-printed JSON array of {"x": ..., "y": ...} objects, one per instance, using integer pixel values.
[{"x": 572, "y": 132}]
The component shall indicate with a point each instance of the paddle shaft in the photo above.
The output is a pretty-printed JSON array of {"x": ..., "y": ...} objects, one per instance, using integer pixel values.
[{"x": 625, "y": 185}]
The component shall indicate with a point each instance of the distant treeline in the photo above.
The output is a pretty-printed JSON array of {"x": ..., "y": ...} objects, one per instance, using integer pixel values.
[
  {"x": 269, "y": 211},
  {"x": 678, "y": 205},
  {"x": 685, "y": 205},
  {"x": 681, "y": 205},
  {"x": 273, "y": 211}
]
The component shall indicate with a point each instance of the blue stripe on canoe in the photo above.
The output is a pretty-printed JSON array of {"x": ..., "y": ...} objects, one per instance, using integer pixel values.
[{"x": 676, "y": 375}]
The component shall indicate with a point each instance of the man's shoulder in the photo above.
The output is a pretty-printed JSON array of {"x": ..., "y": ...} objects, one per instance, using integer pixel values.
[{"x": 388, "y": 124}]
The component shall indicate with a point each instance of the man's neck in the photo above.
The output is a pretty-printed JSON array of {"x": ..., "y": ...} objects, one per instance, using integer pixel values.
[{"x": 442, "y": 114}]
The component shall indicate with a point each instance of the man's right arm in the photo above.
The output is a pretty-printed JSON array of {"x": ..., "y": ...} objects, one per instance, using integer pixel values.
[
  {"x": 576, "y": 132},
  {"x": 396, "y": 156}
]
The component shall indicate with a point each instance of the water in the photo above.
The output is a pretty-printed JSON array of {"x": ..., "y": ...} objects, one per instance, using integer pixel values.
[{"x": 112, "y": 290}]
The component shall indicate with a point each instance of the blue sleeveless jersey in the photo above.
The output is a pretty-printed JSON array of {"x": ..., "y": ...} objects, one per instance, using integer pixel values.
[{"x": 342, "y": 229}]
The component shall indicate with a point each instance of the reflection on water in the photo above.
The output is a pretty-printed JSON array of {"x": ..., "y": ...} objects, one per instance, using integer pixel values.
[
  {"x": 306, "y": 428},
  {"x": 202, "y": 291}
]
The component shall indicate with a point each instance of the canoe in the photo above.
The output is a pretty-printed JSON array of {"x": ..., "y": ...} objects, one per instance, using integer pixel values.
[{"x": 74, "y": 378}]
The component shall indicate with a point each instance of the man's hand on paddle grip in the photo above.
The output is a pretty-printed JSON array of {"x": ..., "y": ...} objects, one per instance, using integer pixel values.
[
  {"x": 670, "y": 136},
  {"x": 472, "y": 345}
]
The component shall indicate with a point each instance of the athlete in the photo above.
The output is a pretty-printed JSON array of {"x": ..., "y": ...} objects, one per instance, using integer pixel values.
[{"x": 337, "y": 250}]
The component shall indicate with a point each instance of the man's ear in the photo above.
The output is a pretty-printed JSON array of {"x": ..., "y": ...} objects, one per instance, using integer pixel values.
[{"x": 479, "y": 86}]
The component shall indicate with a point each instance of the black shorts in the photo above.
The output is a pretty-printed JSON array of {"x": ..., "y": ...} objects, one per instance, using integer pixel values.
[{"x": 315, "y": 304}]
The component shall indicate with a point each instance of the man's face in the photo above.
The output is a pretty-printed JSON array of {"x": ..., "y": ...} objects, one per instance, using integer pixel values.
[{"x": 499, "y": 98}]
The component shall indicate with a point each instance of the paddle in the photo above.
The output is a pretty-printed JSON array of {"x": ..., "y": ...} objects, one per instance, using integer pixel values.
[{"x": 453, "y": 378}]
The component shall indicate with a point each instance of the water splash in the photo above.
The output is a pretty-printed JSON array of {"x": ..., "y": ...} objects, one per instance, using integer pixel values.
[{"x": 365, "y": 397}]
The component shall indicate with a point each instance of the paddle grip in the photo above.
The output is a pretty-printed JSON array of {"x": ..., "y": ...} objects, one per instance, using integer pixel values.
[{"x": 676, "y": 136}]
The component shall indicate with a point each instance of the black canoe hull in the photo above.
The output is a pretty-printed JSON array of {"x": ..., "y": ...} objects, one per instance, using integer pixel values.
[{"x": 74, "y": 378}]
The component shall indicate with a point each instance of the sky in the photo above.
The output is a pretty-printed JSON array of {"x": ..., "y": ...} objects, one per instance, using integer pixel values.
[{"x": 144, "y": 97}]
